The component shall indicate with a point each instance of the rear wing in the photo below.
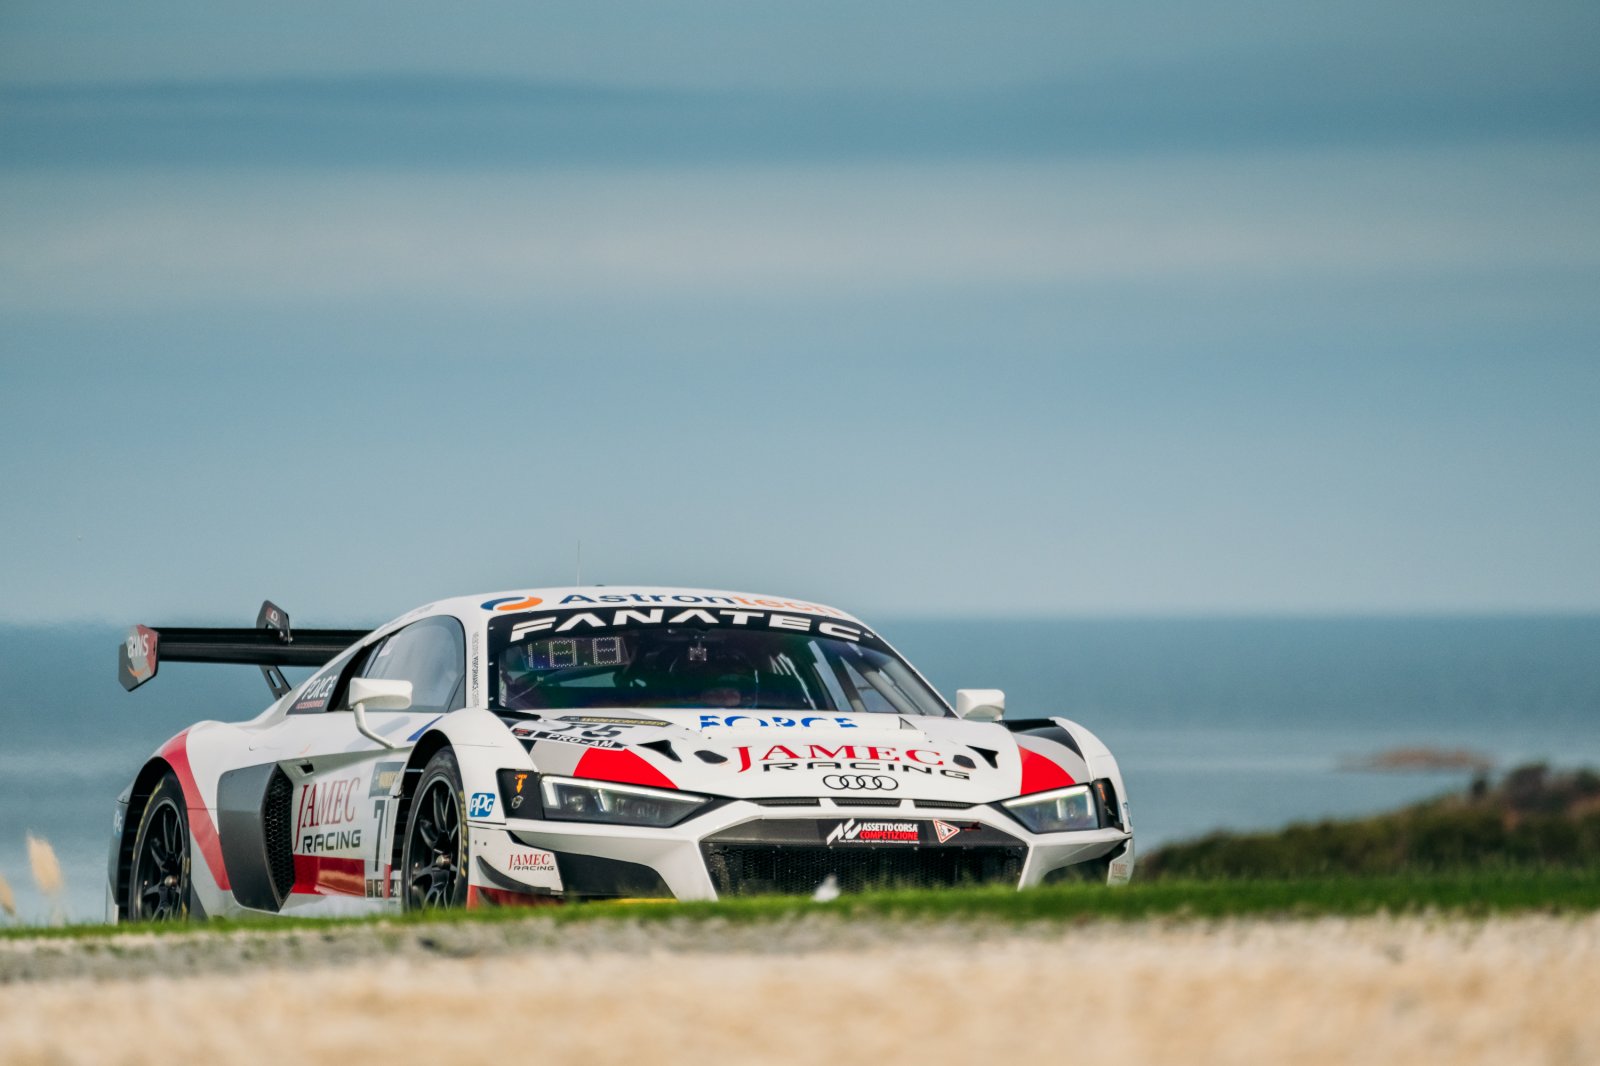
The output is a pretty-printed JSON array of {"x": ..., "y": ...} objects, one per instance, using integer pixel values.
[{"x": 270, "y": 645}]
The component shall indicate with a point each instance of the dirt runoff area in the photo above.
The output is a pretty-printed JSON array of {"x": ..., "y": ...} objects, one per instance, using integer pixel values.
[{"x": 819, "y": 990}]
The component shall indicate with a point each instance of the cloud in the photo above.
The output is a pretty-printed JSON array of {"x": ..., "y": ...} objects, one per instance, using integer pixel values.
[{"x": 137, "y": 239}]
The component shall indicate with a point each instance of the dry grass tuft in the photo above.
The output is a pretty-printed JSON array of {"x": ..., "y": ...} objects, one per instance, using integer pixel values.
[
  {"x": 47, "y": 873},
  {"x": 46, "y": 867}
]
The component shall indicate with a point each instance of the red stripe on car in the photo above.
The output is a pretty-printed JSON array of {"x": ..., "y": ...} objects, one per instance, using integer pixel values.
[
  {"x": 620, "y": 765},
  {"x": 501, "y": 897},
  {"x": 176, "y": 752},
  {"x": 1040, "y": 774},
  {"x": 329, "y": 875}
]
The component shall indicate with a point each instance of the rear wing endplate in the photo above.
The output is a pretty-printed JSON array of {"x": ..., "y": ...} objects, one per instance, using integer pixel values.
[{"x": 271, "y": 645}]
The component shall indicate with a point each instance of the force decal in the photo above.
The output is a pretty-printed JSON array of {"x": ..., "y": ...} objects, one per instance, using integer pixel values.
[{"x": 776, "y": 721}]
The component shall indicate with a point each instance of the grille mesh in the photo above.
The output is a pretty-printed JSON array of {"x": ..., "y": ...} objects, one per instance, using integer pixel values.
[
  {"x": 752, "y": 869},
  {"x": 278, "y": 833}
]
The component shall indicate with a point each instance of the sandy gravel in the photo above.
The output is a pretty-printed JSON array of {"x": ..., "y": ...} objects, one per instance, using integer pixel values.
[{"x": 1411, "y": 990}]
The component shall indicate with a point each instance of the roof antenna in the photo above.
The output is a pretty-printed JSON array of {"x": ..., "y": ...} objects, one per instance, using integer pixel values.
[{"x": 580, "y": 562}]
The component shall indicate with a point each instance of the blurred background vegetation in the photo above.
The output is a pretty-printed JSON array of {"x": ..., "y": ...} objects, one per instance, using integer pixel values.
[{"x": 1531, "y": 817}]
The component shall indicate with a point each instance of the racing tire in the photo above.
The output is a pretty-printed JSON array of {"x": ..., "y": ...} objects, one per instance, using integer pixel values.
[
  {"x": 436, "y": 853},
  {"x": 158, "y": 878}
]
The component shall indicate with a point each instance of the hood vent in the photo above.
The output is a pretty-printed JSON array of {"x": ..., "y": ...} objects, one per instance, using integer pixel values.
[{"x": 662, "y": 746}]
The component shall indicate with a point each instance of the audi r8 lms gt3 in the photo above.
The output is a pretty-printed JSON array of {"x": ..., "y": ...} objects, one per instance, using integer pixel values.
[{"x": 593, "y": 742}]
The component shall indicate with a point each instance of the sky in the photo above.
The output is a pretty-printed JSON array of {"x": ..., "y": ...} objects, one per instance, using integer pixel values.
[{"x": 923, "y": 309}]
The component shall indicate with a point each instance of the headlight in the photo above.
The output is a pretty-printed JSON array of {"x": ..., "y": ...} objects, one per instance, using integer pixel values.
[
  {"x": 573, "y": 800},
  {"x": 1058, "y": 811}
]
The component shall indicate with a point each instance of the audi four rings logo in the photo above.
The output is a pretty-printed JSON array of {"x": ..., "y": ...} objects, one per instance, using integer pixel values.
[{"x": 861, "y": 782}]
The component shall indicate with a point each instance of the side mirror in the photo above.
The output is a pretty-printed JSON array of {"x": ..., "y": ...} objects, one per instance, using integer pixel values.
[
  {"x": 379, "y": 695},
  {"x": 980, "y": 704}
]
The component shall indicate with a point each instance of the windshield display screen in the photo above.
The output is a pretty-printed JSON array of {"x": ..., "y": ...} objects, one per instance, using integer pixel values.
[{"x": 701, "y": 658}]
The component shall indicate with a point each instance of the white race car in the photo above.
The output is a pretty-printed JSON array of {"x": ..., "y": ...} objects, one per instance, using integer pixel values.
[{"x": 594, "y": 742}]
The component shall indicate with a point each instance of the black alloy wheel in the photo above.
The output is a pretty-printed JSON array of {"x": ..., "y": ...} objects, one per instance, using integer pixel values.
[
  {"x": 158, "y": 882},
  {"x": 435, "y": 856}
]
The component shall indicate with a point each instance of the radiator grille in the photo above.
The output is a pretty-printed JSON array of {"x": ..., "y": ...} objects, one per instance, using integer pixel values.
[
  {"x": 278, "y": 833},
  {"x": 753, "y": 869}
]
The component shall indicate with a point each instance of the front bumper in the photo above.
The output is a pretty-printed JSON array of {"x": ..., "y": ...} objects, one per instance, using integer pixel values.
[{"x": 745, "y": 847}]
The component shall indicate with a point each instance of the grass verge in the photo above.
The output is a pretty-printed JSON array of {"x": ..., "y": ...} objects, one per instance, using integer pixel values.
[{"x": 1472, "y": 894}]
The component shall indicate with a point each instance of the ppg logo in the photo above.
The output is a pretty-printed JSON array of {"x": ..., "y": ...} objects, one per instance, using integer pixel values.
[
  {"x": 861, "y": 782},
  {"x": 482, "y": 805}
]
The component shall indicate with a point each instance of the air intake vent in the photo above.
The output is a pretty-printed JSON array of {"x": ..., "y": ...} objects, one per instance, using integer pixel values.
[
  {"x": 751, "y": 869},
  {"x": 864, "y": 801},
  {"x": 944, "y": 805},
  {"x": 277, "y": 830},
  {"x": 789, "y": 801}
]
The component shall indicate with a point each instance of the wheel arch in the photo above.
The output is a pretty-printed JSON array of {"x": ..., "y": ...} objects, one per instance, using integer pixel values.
[
  {"x": 429, "y": 745},
  {"x": 144, "y": 783}
]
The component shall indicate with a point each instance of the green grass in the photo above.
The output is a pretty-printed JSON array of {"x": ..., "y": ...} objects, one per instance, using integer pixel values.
[
  {"x": 1534, "y": 818},
  {"x": 1475, "y": 894}
]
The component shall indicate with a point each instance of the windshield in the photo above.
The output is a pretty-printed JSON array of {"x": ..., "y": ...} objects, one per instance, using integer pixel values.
[{"x": 710, "y": 659}]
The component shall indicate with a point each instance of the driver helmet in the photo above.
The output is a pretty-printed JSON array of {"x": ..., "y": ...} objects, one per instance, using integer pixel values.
[{"x": 712, "y": 675}]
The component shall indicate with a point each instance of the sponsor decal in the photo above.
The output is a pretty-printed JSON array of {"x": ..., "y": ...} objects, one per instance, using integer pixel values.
[
  {"x": 384, "y": 775},
  {"x": 512, "y": 603},
  {"x": 1121, "y": 869},
  {"x": 531, "y": 862},
  {"x": 855, "y": 831},
  {"x": 140, "y": 639},
  {"x": 642, "y": 597},
  {"x": 381, "y": 888},
  {"x": 334, "y": 840},
  {"x": 871, "y": 758},
  {"x": 658, "y": 616},
  {"x": 944, "y": 830},
  {"x": 527, "y": 733},
  {"x": 861, "y": 782},
  {"x": 596, "y": 719},
  {"x": 473, "y": 671},
  {"x": 481, "y": 805},
  {"x": 775, "y": 721},
  {"x": 325, "y": 805},
  {"x": 315, "y": 695}
]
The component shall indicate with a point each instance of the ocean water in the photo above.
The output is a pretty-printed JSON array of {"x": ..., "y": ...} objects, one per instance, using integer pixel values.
[{"x": 1218, "y": 723}]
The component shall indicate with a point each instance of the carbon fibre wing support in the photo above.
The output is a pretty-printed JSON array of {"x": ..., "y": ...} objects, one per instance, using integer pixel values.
[{"x": 271, "y": 645}]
